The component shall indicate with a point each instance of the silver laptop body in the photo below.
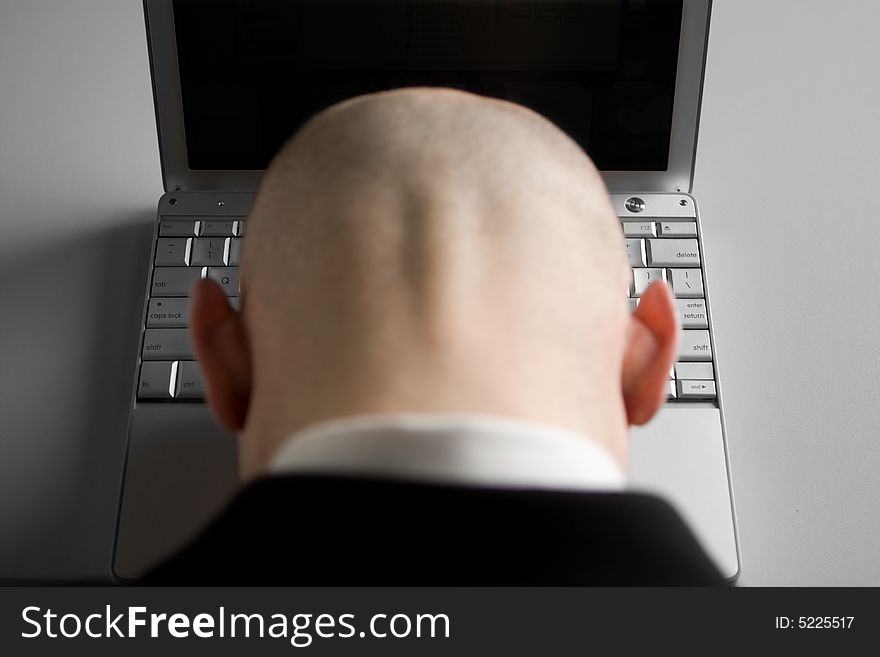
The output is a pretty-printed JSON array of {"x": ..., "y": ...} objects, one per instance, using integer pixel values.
[{"x": 180, "y": 467}]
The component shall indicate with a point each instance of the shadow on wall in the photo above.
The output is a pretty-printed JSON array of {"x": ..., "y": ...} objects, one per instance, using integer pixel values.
[{"x": 69, "y": 327}]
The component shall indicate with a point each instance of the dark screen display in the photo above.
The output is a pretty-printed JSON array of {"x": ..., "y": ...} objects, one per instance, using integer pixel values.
[{"x": 252, "y": 71}]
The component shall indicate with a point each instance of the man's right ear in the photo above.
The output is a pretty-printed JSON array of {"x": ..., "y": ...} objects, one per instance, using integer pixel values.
[{"x": 651, "y": 346}]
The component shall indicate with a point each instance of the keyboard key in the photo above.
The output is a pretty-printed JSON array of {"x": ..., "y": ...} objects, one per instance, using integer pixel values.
[
  {"x": 677, "y": 228},
  {"x": 155, "y": 380},
  {"x": 701, "y": 371},
  {"x": 670, "y": 390},
  {"x": 696, "y": 389},
  {"x": 215, "y": 227},
  {"x": 673, "y": 253},
  {"x": 189, "y": 381},
  {"x": 686, "y": 283},
  {"x": 173, "y": 251},
  {"x": 642, "y": 278},
  {"x": 632, "y": 304},
  {"x": 174, "y": 281},
  {"x": 232, "y": 252},
  {"x": 167, "y": 344},
  {"x": 692, "y": 313},
  {"x": 207, "y": 251},
  {"x": 238, "y": 228},
  {"x": 175, "y": 228},
  {"x": 694, "y": 345},
  {"x": 227, "y": 277},
  {"x": 168, "y": 313},
  {"x": 639, "y": 229},
  {"x": 635, "y": 252}
]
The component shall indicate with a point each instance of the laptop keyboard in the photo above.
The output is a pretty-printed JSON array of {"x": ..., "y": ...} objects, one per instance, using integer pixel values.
[
  {"x": 669, "y": 251},
  {"x": 189, "y": 248},
  {"x": 186, "y": 250}
]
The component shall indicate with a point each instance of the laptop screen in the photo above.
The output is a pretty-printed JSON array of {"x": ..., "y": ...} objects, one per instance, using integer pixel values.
[{"x": 252, "y": 71}]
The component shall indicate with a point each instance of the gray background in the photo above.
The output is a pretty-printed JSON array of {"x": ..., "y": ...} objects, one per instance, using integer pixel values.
[{"x": 787, "y": 170}]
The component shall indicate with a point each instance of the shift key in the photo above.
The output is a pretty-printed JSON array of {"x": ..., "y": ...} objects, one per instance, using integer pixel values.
[
  {"x": 694, "y": 345},
  {"x": 167, "y": 344}
]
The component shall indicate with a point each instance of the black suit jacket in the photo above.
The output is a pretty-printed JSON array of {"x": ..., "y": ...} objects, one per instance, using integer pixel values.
[{"x": 328, "y": 530}]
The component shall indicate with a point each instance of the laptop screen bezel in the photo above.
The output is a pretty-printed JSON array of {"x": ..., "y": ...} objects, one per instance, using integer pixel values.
[{"x": 177, "y": 176}]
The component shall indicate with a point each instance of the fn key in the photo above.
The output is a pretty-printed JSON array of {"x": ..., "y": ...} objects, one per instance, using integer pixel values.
[{"x": 157, "y": 380}]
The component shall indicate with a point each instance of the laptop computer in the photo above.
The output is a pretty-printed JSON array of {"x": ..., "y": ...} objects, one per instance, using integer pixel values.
[{"x": 232, "y": 80}]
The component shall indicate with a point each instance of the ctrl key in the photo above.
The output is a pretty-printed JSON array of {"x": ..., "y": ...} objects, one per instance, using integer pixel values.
[
  {"x": 189, "y": 381},
  {"x": 157, "y": 380}
]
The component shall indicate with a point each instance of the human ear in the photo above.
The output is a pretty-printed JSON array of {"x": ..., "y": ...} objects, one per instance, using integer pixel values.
[
  {"x": 652, "y": 341},
  {"x": 222, "y": 349}
]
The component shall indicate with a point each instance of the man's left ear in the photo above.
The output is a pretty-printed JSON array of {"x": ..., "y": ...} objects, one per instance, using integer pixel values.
[{"x": 222, "y": 349}]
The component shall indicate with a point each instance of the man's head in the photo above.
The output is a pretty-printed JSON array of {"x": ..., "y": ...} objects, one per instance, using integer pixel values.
[{"x": 427, "y": 250}]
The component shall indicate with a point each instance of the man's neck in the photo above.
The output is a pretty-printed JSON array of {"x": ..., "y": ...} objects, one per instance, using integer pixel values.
[{"x": 271, "y": 422}]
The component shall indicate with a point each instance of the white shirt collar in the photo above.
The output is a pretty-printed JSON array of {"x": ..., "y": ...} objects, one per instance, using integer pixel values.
[{"x": 453, "y": 449}]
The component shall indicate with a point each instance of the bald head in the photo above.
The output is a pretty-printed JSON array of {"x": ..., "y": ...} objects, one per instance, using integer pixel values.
[
  {"x": 401, "y": 175},
  {"x": 428, "y": 250}
]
